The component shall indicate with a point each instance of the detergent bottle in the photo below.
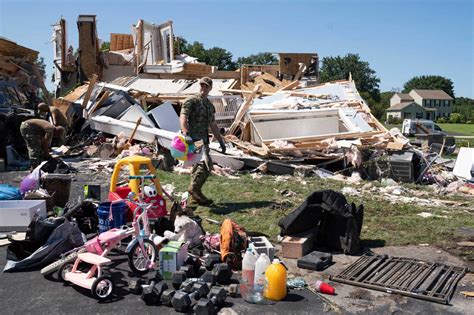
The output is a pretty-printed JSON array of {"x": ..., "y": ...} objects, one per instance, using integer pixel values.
[
  {"x": 260, "y": 267},
  {"x": 248, "y": 273},
  {"x": 275, "y": 281}
]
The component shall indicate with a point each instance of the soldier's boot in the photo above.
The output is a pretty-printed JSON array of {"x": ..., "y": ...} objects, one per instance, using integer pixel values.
[
  {"x": 198, "y": 197},
  {"x": 199, "y": 176}
]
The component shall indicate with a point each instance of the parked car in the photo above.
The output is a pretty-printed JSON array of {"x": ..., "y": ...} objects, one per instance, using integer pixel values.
[{"x": 414, "y": 126}]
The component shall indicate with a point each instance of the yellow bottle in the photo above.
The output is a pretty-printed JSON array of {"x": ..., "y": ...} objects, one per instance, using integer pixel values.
[{"x": 275, "y": 281}]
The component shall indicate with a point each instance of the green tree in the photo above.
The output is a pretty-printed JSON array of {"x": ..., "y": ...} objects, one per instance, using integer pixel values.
[
  {"x": 215, "y": 56},
  {"x": 105, "y": 46},
  {"x": 464, "y": 106},
  {"x": 262, "y": 58},
  {"x": 455, "y": 118},
  {"x": 338, "y": 68},
  {"x": 41, "y": 66},
  {"x": 430, "y": 82},
  {"x": 221, "y": 58},
  {"x": 179, "y": 45}
]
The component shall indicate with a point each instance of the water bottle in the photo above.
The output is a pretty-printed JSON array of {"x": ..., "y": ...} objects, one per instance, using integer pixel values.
[
  {"x": 261, "y": 266},
  {"x": 248, "y": 272}
]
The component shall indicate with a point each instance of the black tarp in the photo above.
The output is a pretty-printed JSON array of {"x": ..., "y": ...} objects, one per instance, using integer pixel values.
[
  {"x": 63, "y": 238},
  {"x": 338, "y": 223}
]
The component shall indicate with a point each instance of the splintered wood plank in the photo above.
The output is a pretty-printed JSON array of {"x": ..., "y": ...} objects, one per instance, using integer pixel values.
[
  {"x": 242, "y": 111},
  {"x": 90, "y": 88},
  {"x": 76, "y": 93}
]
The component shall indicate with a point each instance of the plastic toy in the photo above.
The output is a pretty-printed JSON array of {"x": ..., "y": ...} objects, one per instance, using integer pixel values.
[
  {"x": 135, "y": 164},
  {"x": 142, "y": 253},
  {"x": 181, "y": 148}
]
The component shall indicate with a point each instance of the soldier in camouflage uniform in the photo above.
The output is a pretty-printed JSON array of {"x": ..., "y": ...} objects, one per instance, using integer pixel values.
[
  {"x": 197, "y": 115},
  {"x": 38, "y": 134}
]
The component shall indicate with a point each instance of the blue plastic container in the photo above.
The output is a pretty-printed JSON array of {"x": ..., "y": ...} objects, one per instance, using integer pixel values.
[{"x": 119, "y": 210}]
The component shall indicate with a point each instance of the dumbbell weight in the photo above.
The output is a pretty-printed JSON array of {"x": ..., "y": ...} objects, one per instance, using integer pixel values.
[
  {"x": 178, "y": 278},
  {"x": 167, "y": 296},
  {"x": 188, "y": 270},
  {"x": 182, "y": 301},
  {"x": 210, "y": 260},
  {"x": 135, "y": 286},
  {"x": 222, "y": 272},
  {"x": 209, "y": 306},
  {"x": 151, "y": 293},
  {"x": 232, "y": 290},
  {"x": 195, "y": 262}
]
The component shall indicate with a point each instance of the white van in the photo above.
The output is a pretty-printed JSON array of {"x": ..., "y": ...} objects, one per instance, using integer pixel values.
[{"x": 409, "y": 127}]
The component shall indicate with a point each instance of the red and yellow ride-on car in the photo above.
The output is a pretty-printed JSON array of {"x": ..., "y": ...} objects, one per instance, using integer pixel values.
[{"x": 153, "y": 193}]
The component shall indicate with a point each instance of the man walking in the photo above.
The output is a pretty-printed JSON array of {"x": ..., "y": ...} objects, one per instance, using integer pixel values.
[{"x": 197, "y": 115}]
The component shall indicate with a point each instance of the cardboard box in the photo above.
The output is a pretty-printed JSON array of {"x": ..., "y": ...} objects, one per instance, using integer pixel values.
[
  {"x": 16, "y": 215},
  {"x": 296, "y": 247},
  {"x": 172, "y": 257}
]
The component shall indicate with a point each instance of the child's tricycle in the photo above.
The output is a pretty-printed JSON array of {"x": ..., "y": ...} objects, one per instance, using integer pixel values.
[{"x": 142, "y": 253}]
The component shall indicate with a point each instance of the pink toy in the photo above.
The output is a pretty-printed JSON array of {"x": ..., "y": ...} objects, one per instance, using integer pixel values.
[{"x": 142, "y": 253}]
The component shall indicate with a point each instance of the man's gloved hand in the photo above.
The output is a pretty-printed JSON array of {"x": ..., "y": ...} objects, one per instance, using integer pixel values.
[
  {"x": 188, "y": 139},
  {"x": 223, "y": 147}
]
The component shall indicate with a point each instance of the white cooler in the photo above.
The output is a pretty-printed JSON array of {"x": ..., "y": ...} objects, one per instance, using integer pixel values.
[{"x": 16, "y": 215}]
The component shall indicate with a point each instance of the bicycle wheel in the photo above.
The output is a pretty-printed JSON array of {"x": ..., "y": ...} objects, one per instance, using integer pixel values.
[
  {"x": 49, "y": 269},
  {"x": 65, "y": 268},
  {"x": 102, "y": 287},
  {"x": 138, "y": 260}
]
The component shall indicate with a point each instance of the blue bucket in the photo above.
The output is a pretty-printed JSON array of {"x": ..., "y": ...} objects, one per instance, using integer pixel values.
[{"x": 119, "y": 210}]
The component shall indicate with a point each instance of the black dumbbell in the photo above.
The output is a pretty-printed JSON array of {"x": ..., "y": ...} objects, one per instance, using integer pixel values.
[
  {"x": 167, "y": 296},
  {"x": 209, "y": 277},
  {"x": 151, "y": 293},
  {"x": 194, "y": 262},
  {"x": 182, "y": 301},
  {"x": 187, "y": 285},
  {"x": 232, "y": 290},
  {"x": 222, "y": 272},
  {"x": 211, "y": 260},
  {"x": 189, "y": 270},
  {"x": 135, "y": 286},
  {"x": 177, "y": 278},
  {"x": 209, "y": 306}
]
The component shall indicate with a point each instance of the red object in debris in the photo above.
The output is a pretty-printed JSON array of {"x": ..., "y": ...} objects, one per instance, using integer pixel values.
[{"x": 324, "y": 288}]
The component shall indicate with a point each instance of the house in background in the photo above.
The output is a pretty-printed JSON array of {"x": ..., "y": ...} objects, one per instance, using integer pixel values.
[{"x": 420, "y": 104}]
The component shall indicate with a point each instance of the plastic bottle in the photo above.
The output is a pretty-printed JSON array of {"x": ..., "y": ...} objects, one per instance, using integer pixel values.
[
  {"x": 248, "y": 273},
  {"x": 275, "y": 281},
  {"x": 260, "y": 267}
]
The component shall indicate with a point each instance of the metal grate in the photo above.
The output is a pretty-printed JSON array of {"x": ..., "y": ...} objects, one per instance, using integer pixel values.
[{"x": 428, "y": 281}]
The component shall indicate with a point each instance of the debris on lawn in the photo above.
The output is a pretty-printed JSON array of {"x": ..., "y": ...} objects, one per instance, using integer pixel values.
[{"x": 123, "y": 110}]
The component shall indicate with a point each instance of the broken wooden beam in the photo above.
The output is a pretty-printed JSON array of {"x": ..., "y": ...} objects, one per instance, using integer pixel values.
[
  {"x": 242, "y": 111},
  {"x": 90, "y": 88}
]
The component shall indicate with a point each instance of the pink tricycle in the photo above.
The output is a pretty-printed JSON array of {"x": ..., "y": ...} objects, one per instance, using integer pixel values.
[{"x": 141, "y": 251}]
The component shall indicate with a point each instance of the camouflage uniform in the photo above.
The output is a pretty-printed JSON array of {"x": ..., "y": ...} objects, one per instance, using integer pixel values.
[
  {"x": 200, "y": 115},
  {"x": 34, "y": 134}
]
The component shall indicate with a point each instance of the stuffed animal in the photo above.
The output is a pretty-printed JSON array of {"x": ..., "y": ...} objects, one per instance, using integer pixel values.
[{"x": 185, "y": 230}]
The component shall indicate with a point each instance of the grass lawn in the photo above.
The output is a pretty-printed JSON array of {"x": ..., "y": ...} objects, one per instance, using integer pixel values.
[
  {"x": 258, "y": 204},
  {"x": 464, "y": 129}
]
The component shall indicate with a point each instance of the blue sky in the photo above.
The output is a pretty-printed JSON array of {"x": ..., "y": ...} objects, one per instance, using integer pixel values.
[{"x": 400, "y": 39}]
